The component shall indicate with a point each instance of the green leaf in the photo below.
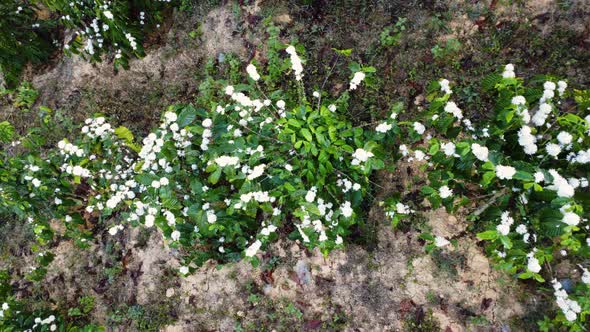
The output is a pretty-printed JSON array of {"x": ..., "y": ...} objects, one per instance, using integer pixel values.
[
  {"x": 124, "y": 134},
  {"x": 307, "y": 134},
  {"x": 186, "y": 116},
  {"x": 346, "y": 52},
  {"x": 487, "y": 178},
  {"x": 523, "y": 176},
  {"x": 426, "y": 190},
  {"x": 506, "y": 241},
  {"x": 488, "y": 166},
  {"x": 289, "y": 187},
  {"x": 214, "y": 177},
  {"x": 6, "y": 132},
  {"x": 488, "y": 235},
  {"x": 294, "y": 123}
]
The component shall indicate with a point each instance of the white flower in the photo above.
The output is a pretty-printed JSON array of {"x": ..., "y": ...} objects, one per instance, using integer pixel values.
[
  {"x": 164, "y": 181},
  {"x": 175, "y": 235},
  {"x": 571, "y": 219},
  {"x": 149, "y": 220},
  {"x": 184, "y": 270},
  {"x": 419, "y": 128},
  {"x": 541, "y": 115},
  {"x": 383, "y": 127},
  {"x": 256, "y": 172},
  {"x": 360, "y": 155},
  {"x": 229, "y": 90},
  {"x": 310, "y": 196},
  {"x": 207, "y": 123},
  {"x": 521, "y": 229},
  {"x": 561, "y": 86},
  {"x": 270, "y": 229},
  {"x": 5, "y": 306},
  {"x": 548, "y": 85},
  {"x": 585, "y": 276},
  {"x": 227, "y": 161},
  {"x": 113, "y": 230},
  {"x": 108, "y": 14},
  {"x": 444, "y": 86},
  {"x": 170, "y": 117},
  {"x": 440, "y": 241},
  {"x": 346, "y": 209},
  {"x": 253, "y": 248},
  {"x": 296, "y": 64},
  {"x": 419, "y": 155},
  {"x": 480, "y": 152},
  {"x": 452, "y": 108},
  {"x": 553, "y": 149},
  {"x": 527, "y": 140},
  {"x": 211, "y": 217},
  {"x": 503, "y": 229},
  {"x": 448, "y": 148},
  {"x": 36, "y": 183},
  {"x": 251, "y": 70},
  {"x": 539, "y": 177},
  {"x": 402, "y": 208},
  {"x": 561, "y": 185},
  {"x": 156, "y": 184},
  {"x": 358, "y": 77},
  {"x": 564, "y": 138},
  {"x": 508, "y": 71},
  {"x": 570, "y": 315},
  {"x": 505, "y": 222},
  {"x": 445, "y": 192},
  {"x": 505, "y": 172},
  {"x": 518, "y": 100},
  {"x": 533, "y": 265}
]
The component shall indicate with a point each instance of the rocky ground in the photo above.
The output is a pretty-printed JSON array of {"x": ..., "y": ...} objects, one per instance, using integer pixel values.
[{"x": 382, "y": 282}]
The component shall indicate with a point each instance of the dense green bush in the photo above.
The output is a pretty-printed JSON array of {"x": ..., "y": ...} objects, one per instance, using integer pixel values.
[
  {"x": 521, "y": 173},
  {"x": 23, "y": 38},
  {"x": 114, "y": 27},
  {"x": 98, "y": 29}
]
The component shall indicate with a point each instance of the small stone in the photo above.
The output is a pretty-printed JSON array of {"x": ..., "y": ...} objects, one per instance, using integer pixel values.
[{"x": 170, "y": 292}]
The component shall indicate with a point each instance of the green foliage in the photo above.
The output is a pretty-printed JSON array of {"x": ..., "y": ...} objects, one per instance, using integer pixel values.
[
  {"x": 221, "y": 178},
  {"x": 521, "y": 173},
  {"x": 23, "y": 38},
  {"x": 28, "y": 30},
  {"x": 6, "y": 132},
  {"x": 100, "y": 27},
  {"x": 391, "y": 35},
  {"x": 447, "y": 50}
]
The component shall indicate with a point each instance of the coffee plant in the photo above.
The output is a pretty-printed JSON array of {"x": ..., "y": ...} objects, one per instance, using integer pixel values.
[{"x": 521, "y": 174}]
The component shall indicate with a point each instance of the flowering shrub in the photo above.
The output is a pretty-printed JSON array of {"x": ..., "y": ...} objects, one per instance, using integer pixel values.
[
  {"x": 21, "y": 38},
  {"x": 100, "y": 26},
  {"x": 219, "y": 182},
  {"x": 17, "y": 316},
  {"x": 525, "y": 166}
]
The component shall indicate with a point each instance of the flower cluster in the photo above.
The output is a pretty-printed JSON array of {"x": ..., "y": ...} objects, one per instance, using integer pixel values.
[
  {"x": 570, "y": 308},
  {"x": 226, "y": 179}
]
